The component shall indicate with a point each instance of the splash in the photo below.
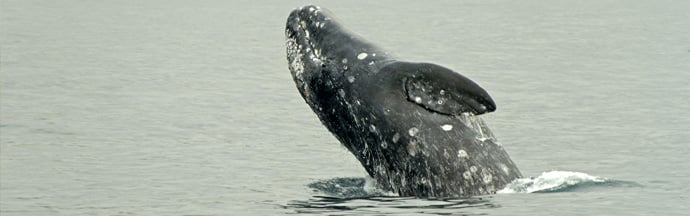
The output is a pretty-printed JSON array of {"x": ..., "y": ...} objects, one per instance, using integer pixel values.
[
  {"x": 477, "y": 124},
  {"x": 350, "y": 188},
  {"x": 555, "y": 181},
  {"x": 547, "y": 182}
]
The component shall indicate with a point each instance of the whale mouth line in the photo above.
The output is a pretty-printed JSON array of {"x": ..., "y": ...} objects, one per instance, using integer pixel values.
[{"x": 302, "y": 53}]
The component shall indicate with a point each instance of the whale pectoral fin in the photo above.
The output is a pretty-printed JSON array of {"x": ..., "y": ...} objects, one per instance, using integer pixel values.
[{"x": 441, "y": 90}]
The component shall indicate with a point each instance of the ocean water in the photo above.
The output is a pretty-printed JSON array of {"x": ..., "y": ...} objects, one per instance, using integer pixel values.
[{"x": 187, "y": 107}]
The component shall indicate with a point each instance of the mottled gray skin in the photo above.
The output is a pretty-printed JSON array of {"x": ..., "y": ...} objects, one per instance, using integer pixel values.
[{"x": 411, "y": 125}]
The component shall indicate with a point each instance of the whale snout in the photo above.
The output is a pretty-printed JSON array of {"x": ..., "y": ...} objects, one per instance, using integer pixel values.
[{"x": 308, "y": 21}]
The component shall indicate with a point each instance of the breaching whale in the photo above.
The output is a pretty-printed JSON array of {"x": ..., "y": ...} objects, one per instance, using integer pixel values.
[{"x": 414, "y": 127}]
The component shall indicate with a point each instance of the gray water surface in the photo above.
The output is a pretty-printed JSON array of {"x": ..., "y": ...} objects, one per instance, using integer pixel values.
[{"x": 187, "y": 107}]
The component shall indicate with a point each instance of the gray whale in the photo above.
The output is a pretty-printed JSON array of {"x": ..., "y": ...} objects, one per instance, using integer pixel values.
[{"x": 414, "y": 127}]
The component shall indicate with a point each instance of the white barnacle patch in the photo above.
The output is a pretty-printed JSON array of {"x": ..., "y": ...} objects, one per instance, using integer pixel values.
[
  {"x": 412, "y": 131},
  {"x": 447, "y": 127},
  {"x": 371, "y": 63},
  {"x": 351, "y": 79},
  {"x": 362, "y": 56},
  {"x": 303, "y": 24},
  {"x": 384, "y": 144},
  {"x": 341, "y": 92},
  {"x": 487, "y": 178},
  {"x": 462, "y": 153},
  {"x": 412, "y": 148},
  {"x": 294, "y": 53},
  {"x": 473, "y": 169},
  {"x": 344, "y": 61}
]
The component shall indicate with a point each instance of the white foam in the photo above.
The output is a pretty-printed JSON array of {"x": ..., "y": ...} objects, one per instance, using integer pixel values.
[{"x": 549, "y": 181}]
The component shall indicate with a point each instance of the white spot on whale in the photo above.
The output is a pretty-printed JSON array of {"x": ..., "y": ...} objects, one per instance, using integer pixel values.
[
  {"x": 413, "y": 131},
  {"x": 447, "y": 127},
  {"x": 467, "y": 175},
  {"x": 473, "y": 169},
  {"x": 351, "y": 79},
  {"x": 341, "y": 92},
  {"x": 372, "y": 128},
  {"x": 396, "y": 137},
  {"x": 344, "y": 61},
  {"x": 417, "y": 99},
  {"x": 362, "y": 56},
  {"x": 384, "y": 144},
  {"x": 488, "y": 178},
  {"x": 412, "y": 148},
  {"x": 462, "y": 153},
  {"x": 371, "y": 63}
]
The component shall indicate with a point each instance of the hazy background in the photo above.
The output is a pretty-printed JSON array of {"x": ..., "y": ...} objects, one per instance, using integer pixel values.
[{"x": 187, "y": 107}]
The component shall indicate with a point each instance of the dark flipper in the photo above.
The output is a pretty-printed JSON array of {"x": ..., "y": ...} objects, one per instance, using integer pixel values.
[{"x": 441, "y": 90}]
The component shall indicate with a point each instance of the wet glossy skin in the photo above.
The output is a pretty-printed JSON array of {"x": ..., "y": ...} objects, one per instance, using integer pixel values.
[{"x": 411, "y": 125}]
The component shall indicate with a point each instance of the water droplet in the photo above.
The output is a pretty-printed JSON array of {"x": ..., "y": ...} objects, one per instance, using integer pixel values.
[
  {"x": 505, "y": 168},
  {"x": 372, "y": 128}
]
